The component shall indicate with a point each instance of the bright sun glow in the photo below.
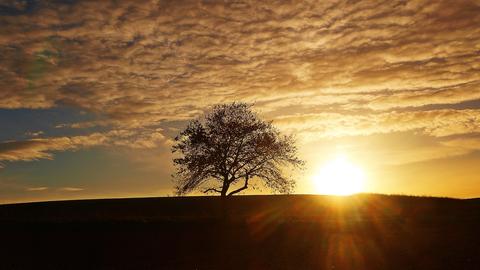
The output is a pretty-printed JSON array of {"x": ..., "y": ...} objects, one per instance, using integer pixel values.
[{"x": 339, "y": 177}]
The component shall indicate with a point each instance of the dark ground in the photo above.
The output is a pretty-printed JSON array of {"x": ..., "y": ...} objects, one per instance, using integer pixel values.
[{"x": 245, "y": 232}]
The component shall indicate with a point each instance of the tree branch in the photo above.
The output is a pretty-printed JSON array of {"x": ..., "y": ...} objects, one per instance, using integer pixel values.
[
  {"x": 237, "y": 154},
  {"x": 212, "y": 189},
  {"x": 240, "y": 189}
]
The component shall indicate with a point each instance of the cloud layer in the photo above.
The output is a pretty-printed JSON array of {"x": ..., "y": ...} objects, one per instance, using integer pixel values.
[
  {"x": 320, "y": 68},
  {"x": 42, "y": 148}
]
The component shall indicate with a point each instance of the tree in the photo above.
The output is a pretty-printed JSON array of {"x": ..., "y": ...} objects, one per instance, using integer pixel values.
[{"x": 230, "y": 146}]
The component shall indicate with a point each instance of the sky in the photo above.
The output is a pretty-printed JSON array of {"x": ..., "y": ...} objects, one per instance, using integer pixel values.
[{"x": 92, "y": 92}]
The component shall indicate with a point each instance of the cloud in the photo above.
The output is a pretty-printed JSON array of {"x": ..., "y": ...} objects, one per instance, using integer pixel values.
[
  {"x": 149, "y": 60},
  {"x": 67, "y": 189},
  {"x": 331, "y": 68},
  {"x": 37, "y": 188},
  {"x": 437, "y": 123},
  {"x": 34, "y": 133},
  {"x": 71, "y": 189},
  {"x": 34, "y": 149},
  {"x": 43, "y": 148},
  {"x": 466, "y": 143}
]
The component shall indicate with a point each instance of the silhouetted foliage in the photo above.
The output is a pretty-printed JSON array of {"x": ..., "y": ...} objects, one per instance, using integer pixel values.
[{"x": 230, "y": 146}]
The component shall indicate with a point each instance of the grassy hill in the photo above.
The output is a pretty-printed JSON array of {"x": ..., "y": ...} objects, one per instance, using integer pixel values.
[{"x": 244, "y": 232}]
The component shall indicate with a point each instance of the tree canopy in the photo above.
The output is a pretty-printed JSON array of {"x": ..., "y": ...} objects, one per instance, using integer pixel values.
[{"x": 229, "y": 147}]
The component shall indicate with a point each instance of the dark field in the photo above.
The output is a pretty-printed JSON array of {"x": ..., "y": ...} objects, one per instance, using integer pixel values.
[{"x": 244, "y": 232}]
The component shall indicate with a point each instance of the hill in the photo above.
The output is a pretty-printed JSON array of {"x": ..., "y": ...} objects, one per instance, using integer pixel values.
[{"x": 244, "y": 232}]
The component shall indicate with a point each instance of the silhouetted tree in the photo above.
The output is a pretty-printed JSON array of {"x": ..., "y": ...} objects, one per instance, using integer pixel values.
[{"x": 230, "y": 146}]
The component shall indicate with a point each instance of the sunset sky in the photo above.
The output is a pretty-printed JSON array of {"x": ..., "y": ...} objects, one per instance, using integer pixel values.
[{"x": 92, "y": 92}]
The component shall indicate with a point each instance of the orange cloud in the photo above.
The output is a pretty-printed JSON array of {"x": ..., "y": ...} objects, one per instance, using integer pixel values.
[{"x": 436, "y": 123}]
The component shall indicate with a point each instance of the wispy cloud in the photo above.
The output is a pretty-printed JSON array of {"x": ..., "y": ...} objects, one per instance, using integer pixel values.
[
  {"x": 71, "y": 189},
  {"x": 37, "y": 188},
  {"x": 43, "y": 148},
  {"x": 34, "y": 133}
]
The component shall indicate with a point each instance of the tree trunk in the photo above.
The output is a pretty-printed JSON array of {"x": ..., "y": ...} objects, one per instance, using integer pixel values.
[
  {"x": 224, "y": 201},
  {"x": 225, "y": 187}
]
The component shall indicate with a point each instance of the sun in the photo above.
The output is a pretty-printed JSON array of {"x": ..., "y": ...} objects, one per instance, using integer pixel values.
[{"x": 339, "y": 177}]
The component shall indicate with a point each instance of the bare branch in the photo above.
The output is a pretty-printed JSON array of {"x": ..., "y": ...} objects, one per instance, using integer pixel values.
[
  {"x": 212, "y": 189},
  {"x": 245, "y": 186}
]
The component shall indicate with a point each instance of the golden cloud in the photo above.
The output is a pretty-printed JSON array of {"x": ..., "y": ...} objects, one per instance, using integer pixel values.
[
  {"x": 321, "y": 68},
  {"x": 43, "y": 148},
  {"x": 436, "y": 123}
]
